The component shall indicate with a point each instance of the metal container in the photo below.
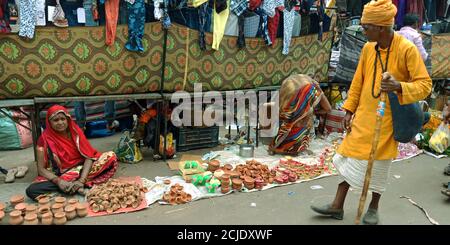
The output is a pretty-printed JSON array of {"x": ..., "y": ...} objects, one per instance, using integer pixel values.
[{"x": 246, "y": 150}]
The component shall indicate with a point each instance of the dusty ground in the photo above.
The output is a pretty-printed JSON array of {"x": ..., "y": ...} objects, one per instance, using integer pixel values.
[{"x": 420, "y": 178}]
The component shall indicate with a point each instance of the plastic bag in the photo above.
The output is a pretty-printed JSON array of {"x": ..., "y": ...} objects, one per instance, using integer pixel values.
[
  {"x": 127, "y": 150},
  {"x": 440, "y": 139}
]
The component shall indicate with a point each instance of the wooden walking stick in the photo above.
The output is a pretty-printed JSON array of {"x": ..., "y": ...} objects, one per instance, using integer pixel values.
[{"x": 376, "y": 138}]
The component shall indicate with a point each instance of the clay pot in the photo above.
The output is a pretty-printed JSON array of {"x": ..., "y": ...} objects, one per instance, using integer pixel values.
[
  {"x": 60, "y": 218},
  {"x": 72, "y": 201},
  {"x": 21, "y": 207},
  {"x": 2, "y": 214},
  {"x": 57, "y": 208},
  {"x": 16, "y": 199},
  {"x": 213, "y": 165},
  {"x": 225, "y": 189},
  {"x": 228, "y": 167},
  {"x": 218, "y": 173},
  {"x": 15, "y": 218},
  {"x": 43, "y": 201},
  {"x": 81, "y": 209},
  {"x": 31, "y": 209},
  {"x": 61, "y": 200},
  {"x": 47, "y": 218},
  {"x": 71, "y": 212},
  {"x": 237, "y": 184},
  {"x": 249, "y": 180},
  {"x": 2, "y": 206},
  {"x": 166, "y": 182},
  {"x": 31, "y": 219},
  {"x": 43, "y": 210}
]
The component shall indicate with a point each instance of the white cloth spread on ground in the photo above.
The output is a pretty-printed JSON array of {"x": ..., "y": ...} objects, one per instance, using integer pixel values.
[{"x": 353, "y": 171}]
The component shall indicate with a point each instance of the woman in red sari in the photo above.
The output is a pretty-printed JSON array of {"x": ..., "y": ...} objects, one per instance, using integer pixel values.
[{"x": 66, "y": 161}]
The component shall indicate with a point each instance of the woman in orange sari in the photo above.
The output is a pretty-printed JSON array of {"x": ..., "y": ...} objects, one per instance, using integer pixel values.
[
  {"x": 299, "y": 95},
  {"x": 66, "y": 161}
]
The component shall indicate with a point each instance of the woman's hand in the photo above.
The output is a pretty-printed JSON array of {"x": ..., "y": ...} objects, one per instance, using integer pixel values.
[
  {"x": 65, "y": 186},
  {"x": 348, "y": 121},
  {"x": 77, "y": 184}
]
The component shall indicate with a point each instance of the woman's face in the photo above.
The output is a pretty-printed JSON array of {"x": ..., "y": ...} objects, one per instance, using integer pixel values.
[{"x": 59, "y": 122}]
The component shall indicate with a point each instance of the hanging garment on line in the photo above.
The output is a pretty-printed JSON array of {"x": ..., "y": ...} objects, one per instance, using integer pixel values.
[
  {"x": 288, "y": 19},
  {"x": 136, "y": 24},
  {"x": 220, "y": 20},
  {"x": 112, "y": 14},
  {"x": 27, "y": 18}
]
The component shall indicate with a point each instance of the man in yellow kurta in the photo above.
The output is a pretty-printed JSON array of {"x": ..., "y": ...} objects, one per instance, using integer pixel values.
[{"x": 388, "y": 62}]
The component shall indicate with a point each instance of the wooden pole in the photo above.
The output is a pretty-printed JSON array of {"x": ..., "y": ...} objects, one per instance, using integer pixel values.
[{"x": 376, "y": 139}]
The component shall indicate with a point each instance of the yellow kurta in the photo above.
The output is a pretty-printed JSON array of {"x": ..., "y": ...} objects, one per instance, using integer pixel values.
[{"x": 407, "y": 67}]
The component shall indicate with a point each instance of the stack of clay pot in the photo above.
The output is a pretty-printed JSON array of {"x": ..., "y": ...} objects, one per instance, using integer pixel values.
[
  {"x": 176, "y": 195},
  {"x": 255, "y": 170},
  {"x": 225, "y": 183},
  {"x": 249, "y": 182},
  {"x": 113, "y": 195},
  {"x": 213, "y": 165},
  {"x": 237, "y": 183}
]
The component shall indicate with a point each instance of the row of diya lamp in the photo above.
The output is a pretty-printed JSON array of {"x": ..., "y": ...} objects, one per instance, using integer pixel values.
[{"x": 290, "y": 170}]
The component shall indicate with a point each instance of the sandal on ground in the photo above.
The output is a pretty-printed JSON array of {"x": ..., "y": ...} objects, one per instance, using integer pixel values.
[
  {"x": 328, "y": 210},
  {"x": 11, "y": 175},
  {"x": 446, "y": 192},
  {"x": 21, "y": 171},
  {"x": 371, "y": 217},
  {"x": 445, "y": 184}
]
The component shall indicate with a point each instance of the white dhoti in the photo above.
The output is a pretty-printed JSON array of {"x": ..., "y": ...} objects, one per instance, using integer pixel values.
[{"x": 353, "y": 171}]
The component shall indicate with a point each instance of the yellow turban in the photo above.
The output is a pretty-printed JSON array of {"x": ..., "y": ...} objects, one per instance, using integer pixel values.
[{"x": 379, "y": 13}]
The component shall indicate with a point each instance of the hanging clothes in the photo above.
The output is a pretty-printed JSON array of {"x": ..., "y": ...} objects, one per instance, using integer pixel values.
[
  {"x": 27, "y": 18},
  {"x": 221, "y": 5},
  {"x": 401, "y": 11},
  {"x": 165, "y": 18},
  {"x": 254, "y": 4},
  {"x": 417, "y": 7},
  {"x": 263, "y": 26},
  {"x": 112, "y": 14},
  {"x": 89, "y": 9},
  {"x": 272, "y": 25},
  {"x": 220, "y": 20},
  {"x": 238, "y": 7},
  {"x": 269, "y": 6},
  {"x": 136, "y": 24},
  {"x": 241, "y": 36},
  {"x": 430, "y": 6},
  {"x": 288, "y": 19},
  {"x": 4, "y": 17},
  {"x": 202, "y": 15}
]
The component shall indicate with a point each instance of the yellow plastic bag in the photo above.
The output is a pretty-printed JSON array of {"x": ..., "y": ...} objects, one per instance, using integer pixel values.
[{"x": 440, "y": 139}]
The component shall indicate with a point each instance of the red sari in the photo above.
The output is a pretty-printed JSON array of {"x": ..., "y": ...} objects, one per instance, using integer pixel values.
[{"x": 65, "y": 156}]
